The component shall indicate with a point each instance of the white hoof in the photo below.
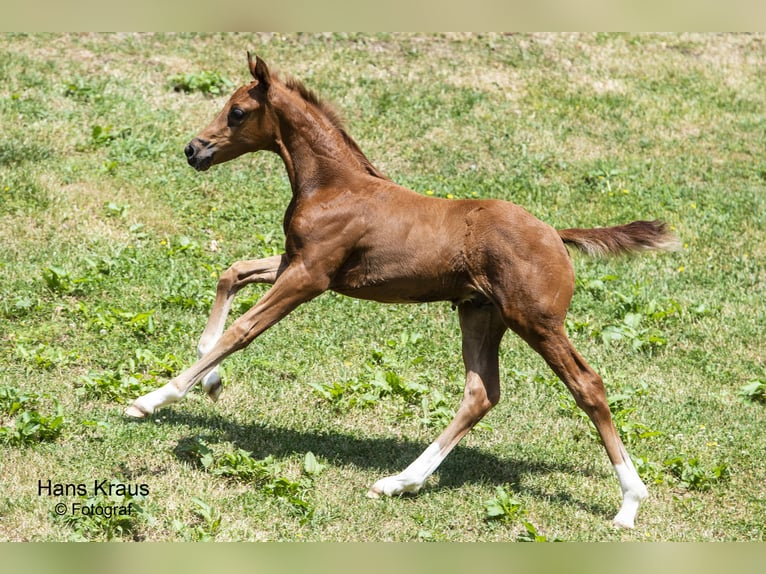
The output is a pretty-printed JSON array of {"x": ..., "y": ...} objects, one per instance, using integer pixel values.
[
  {"x": 393, "y": 486},
  {"x": 621, "y": 521},
  {"x": 135, "y": 412},
  {"x": 626, "y": 517}
]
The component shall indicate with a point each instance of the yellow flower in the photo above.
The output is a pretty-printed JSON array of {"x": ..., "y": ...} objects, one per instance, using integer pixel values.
[
  {"x": 430, "y": 192},
  {"x": 450, "y": 196},
  {"x": 681, "y": 269}
]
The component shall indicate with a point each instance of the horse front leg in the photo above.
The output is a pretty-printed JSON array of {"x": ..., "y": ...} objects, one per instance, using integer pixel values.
[
  {"x": 237, "y": 276},
  {"x": 293, "y": 286}
]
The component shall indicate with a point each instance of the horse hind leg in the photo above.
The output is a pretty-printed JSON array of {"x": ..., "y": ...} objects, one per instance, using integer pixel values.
[
  {"x": 482, "y": 329},
  {"x": 588, "y": 390}
]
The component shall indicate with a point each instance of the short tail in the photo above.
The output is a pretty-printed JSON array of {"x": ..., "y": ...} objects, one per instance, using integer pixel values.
[{"x": 630, "y": 238}]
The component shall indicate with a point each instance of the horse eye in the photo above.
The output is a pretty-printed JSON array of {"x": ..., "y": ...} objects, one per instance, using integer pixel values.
[{"x": 236, "y": 114}]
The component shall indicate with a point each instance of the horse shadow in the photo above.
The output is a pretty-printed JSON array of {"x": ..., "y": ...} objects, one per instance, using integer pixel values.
[{"x": 384, "y": 455}]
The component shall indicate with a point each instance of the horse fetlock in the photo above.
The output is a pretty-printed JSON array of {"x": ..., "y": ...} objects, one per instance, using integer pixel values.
[{"x": 631, "y": 500}]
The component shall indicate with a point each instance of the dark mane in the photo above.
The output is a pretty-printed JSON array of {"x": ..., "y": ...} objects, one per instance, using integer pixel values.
[{"x": 334, "y": 118}]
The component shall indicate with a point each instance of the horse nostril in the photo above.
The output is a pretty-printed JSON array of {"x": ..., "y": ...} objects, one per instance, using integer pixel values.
[{"x": 189, "y": 151}]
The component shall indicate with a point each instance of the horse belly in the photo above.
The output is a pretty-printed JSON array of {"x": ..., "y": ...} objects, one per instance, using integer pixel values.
[
  {"x": 400, "y": 282},
  {"x": 403, "y": 292},
  {"x": 415, "y": 254}
]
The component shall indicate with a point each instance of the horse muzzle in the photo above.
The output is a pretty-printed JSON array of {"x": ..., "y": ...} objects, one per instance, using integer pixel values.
[{"x": 199, "y": 154}]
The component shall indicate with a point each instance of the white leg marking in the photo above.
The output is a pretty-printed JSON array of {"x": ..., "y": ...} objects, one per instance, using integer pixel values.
[
  {"x": 149, "y": 402},
  {"x": 633, "y": 492},
  {"x": 412, "y": 478},
  {"x": 211, "y": 383}
]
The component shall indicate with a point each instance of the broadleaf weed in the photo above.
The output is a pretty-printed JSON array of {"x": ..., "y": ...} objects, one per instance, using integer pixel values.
[
  {"x": 507, "y": 509},
  {"x": 381, "y": 380},
  {"x": 265, "y": 475},
  {"x": 106, "y": 516},
  {"x": 208, "y": 526},
  {"x": 25, "y": 424},
  {"x": 754, "y": 391},
  {"x": 689, "y": 473},
  {"x": 117, "y": 386},
  {"x": 206, "y": 82},
  {"x": 503, "y": 507}
]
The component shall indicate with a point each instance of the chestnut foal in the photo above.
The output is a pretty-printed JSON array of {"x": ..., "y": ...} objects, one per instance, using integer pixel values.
[{"x": 351, "y": 230}]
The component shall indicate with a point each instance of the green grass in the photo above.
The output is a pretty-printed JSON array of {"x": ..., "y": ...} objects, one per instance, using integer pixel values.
[{"x": 110, "y": 249}]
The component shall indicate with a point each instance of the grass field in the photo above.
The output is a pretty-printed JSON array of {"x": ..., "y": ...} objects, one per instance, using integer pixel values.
[{"x": 110, "y": 249}]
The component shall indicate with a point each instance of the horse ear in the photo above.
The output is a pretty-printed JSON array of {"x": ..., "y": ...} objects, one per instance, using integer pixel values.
[{"x": 259, "y": 70}]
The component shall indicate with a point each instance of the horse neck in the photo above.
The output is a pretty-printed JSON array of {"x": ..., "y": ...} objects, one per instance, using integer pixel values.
[{"x": 315, "y": 151}]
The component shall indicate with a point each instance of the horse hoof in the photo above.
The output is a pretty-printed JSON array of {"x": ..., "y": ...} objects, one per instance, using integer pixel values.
[
  {"x": 214, "y": 392},
  {"x": 623, "y": 525},
  {"x": 374, "y": 493},
  {"x": 134, "y": 412}
]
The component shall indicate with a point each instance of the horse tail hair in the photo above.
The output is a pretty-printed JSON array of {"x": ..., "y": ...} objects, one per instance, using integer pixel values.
[{"x": 631, "y": 238}]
